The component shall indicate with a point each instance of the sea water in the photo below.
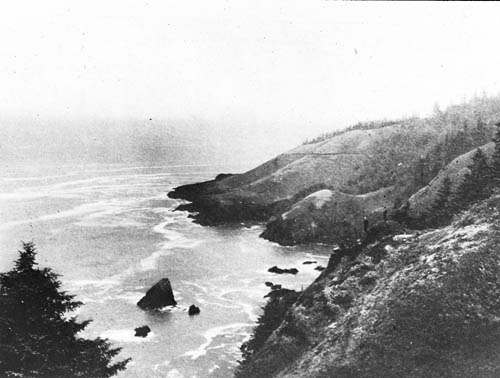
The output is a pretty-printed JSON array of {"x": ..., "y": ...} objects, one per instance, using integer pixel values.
[{"x": 111, "y": 232}]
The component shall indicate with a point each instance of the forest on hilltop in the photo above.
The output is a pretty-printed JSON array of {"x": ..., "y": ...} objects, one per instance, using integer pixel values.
[{"x": 413, "y": 155}]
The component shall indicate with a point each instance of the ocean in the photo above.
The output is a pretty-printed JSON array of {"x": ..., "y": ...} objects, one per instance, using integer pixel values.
[{"x": 111, "y": 232}]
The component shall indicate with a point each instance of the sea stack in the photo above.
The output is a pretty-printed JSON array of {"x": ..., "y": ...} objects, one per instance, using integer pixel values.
[
  {"x": 193, "y": 310},
  {"x": 160, "y": 295},
  {"x": 277, "y": 270},
  {"x": 142, "y": 331}
]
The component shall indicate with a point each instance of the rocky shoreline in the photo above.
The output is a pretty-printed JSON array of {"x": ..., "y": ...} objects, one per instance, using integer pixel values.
[
  {"x": 209, "y": 207},
  {"x": 324, "y": 216}
]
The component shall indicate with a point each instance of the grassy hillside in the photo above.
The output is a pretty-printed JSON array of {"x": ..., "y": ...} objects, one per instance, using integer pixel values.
[
  {"x": 331, "y": 217},
  {"x": 405, "y": 154}
]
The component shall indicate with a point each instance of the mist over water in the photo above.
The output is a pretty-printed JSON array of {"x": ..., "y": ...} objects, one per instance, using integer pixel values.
[
  {"x": 29, "y": 141},
  {"x": 111, "y": 232}
]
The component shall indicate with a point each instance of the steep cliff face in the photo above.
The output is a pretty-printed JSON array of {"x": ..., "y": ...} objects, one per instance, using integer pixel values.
[{"x": 417, "y": 305}]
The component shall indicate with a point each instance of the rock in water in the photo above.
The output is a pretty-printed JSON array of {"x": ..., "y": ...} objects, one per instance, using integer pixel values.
[
  {"x": 160, "y": 295},
  {"x": 277, "y": 270},
  {"x": 193, "y": 310},
  {"x": 142, "y": 331}
]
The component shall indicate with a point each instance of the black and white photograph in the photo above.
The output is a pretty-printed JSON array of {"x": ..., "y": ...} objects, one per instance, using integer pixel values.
[{"x": 249, "y": 189}]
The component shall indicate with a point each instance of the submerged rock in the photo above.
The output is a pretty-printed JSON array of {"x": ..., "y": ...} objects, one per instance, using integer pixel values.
[
  {"x": 309, "y": 262},
  {"x": 142, "y": 331},
  {"x": 320, "y": 268},
  {"x": 160, "y": 295},
  {"x": 269, "y": 284},
  {"x": 277, "y": 270},
  {"x": 193, "y": 310}
]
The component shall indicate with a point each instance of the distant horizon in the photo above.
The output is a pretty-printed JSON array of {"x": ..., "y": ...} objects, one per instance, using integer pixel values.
[
  {"x": 150, "y": 141},
  {"x": 289, "y": 69}
]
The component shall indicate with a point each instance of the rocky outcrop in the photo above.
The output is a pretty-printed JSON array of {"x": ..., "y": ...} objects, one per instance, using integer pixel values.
[
  {"x": 193, "y": 310},
  {"x": 421, "y": 305},
  {"x": 273, "y": 286},
  {"x": 277, "y": 270},
  {"x": 329, "y": 217},
  {"x": 142, "y": 331},
  {"x": 160, "y": 295},
  {"x": 279, "y": 303}
]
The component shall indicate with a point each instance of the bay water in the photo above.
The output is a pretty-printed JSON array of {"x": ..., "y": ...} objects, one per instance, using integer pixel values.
[{"x": 111, "y": 232}]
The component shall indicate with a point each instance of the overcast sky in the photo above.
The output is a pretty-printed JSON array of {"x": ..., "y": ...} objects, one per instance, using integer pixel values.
[{"x": 294, "y": 68}]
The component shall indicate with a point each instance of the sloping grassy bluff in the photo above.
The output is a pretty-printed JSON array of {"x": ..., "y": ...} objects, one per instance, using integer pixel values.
[{"x": 355, "y": 165}]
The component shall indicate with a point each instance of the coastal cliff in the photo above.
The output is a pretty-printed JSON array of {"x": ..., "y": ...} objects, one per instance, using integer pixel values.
[
  {"x": 352, "y": 162},
  {"x": 413, "y": 305},
  {"x": 363, "y": 171},
  {"x": 412, "y": 286},
  {"x": 352, "y": 166}
]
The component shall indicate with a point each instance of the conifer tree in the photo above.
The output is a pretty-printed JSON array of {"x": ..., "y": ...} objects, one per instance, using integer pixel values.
[
  {"x": 495, "y": 162},
  {"x": 441, "y": 211},
  {"x": 37, "y": 337},
  {"x": 475, "y": 185}
]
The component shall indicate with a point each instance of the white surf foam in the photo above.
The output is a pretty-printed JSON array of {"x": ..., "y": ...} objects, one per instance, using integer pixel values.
[
  {"x": 174, "y": 373},
  {"x": 130, "y": 296},
  {"x": 213, "y": 368},
  {"x": 36, "y": 178},
  {"x": 127, "y": 336},
  {"x": 212, "y": 333},
  {"x": 200, "y": 287},
  {"x": 149, "y": 263},
  {"x": 162, "y": 365},
  {"x": 174, "y": 240},
  {"x": 248, "y": 309},
  {"x": 76, "y": 211},
  {"x": 106, "y": 282}
]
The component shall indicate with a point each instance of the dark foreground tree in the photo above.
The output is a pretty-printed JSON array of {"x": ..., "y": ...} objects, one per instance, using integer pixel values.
[{"x": 37, "y": 336}]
